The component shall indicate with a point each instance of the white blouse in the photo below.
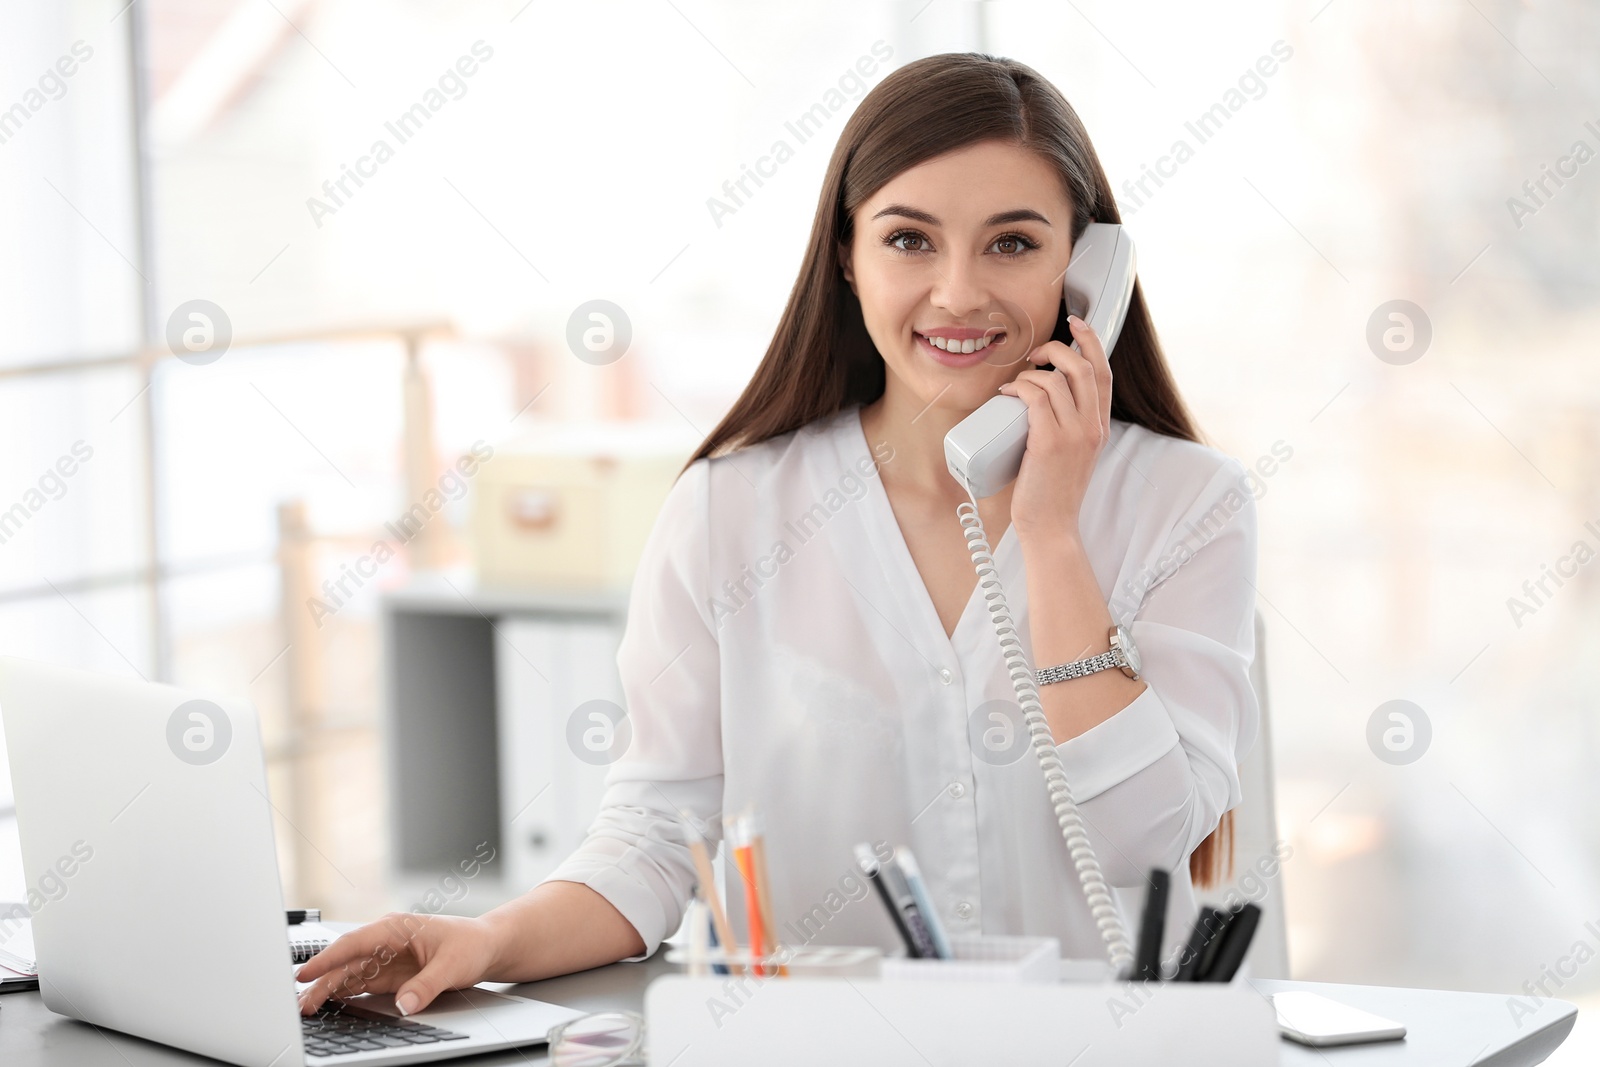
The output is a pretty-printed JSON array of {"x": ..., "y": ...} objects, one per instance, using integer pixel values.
[{"x": 782, "y": 652}]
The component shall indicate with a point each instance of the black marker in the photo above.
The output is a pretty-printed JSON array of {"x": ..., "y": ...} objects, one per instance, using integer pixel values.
[
  {"x": 1208, "y": 958},
  {"x": 1207, "y": 925},
  {"x": 869, "y": 867},
  {"x": 304, "y": 915},
  {"x": 1153, "y": 924},
  {"x": 1235, "y": 943}
]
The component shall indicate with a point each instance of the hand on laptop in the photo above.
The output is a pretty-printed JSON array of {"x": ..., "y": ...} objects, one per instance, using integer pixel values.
[
  {"x": 416, "y": 957},
  {"x": 554, "y": 928}
]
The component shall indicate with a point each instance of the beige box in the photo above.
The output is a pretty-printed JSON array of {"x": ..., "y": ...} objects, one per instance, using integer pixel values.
[{"x": 570, "y": 507}]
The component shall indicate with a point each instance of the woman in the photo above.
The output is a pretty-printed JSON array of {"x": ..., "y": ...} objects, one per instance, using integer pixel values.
[{"x": 804, "y": 634}]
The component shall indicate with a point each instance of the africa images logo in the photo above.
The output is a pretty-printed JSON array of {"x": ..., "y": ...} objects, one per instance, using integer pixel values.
[{"x": 199, "y": 732}]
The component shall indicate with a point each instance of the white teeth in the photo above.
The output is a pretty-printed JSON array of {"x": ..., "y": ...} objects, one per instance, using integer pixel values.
[{"x": 970, "y": 345}]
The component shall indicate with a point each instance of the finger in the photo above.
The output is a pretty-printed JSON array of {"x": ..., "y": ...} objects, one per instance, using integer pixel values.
[
  {"x": 391, "y": 931},
  {"x": 1084, "y": 339},
  {"x": 1079, "y": 370},
  {"x": 1041, "y": 411},
  {"x": 1094, "y": 351},
  {"x": 1085, "y": 390},
  {"x": 1051, "y": 352},
  {"x": 1063, "y": 404},
  {"x": 442, "y": 972},
  {"x": 351, "y": 946},
  {"x": 378, "y": 973},
  {"x": 373, "y": 959},
  {"x": 337, "y": 986}
]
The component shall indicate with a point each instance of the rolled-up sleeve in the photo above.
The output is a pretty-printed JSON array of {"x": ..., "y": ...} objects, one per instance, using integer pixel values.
[
  {"x": 1153, "y": 780},
  {"x": 636, "y": 853}
]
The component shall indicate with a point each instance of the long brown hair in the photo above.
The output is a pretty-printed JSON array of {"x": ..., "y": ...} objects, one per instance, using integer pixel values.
[{"x": 821, "y": 359}]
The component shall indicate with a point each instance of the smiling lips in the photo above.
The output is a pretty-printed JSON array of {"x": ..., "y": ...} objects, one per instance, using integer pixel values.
[{"x": 958, "y": 346}]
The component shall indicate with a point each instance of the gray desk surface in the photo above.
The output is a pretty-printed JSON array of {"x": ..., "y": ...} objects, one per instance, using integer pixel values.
[{"x": 1444, "y": 1028}]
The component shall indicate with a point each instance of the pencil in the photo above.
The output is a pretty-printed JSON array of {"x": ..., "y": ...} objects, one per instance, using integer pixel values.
[
  {"x": 758, "y": 851},
  {"x": 745, "y": 861},
  {"x": 707, "y": 888}
]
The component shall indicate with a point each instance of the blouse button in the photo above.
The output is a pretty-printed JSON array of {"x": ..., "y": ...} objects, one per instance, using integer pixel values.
[
  {"x": 958, "y": 790},
  {"x": 944, "y": 675},
  {"x": 963, "y": 909}
]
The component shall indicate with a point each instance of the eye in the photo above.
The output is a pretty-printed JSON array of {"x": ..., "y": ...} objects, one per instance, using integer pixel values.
[
  {"x": 1016, "y": 243},
  {"x": 918, "y": 242}
]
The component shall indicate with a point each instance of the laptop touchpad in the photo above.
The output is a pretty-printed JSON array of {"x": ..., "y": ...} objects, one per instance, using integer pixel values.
[{"x": 471, "y": 1001}]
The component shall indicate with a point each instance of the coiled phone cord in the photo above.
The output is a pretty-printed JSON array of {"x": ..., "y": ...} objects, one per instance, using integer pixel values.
[{"x": 1101, "y": 903}]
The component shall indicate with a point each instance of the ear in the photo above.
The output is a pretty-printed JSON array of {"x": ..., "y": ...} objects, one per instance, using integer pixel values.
[{"x": 843, "y": 251}]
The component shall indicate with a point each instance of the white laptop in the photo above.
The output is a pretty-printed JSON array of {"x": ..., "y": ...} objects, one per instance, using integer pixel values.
[{"x": 147, "y": 845}]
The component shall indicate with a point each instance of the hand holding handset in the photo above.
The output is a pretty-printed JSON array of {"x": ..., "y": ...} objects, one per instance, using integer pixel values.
[{"x": 984, "y": 453}]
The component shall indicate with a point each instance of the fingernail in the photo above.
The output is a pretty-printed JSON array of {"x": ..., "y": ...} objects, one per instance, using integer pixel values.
[
  {"x": 1074, "y": 321},
  {"x": 406, "y": 1003}
]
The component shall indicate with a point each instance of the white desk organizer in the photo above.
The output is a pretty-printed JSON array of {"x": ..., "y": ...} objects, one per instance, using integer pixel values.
[
  {"x": 985, "y": 959},
  {"x": 986, "y": 1006}
]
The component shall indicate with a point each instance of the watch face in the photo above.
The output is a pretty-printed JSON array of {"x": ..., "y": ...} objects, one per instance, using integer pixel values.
[{"x": 1125, "y": 642}]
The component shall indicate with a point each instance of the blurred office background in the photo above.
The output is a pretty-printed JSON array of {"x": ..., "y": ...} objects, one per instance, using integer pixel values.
[{"x": 1368, "y": 153}]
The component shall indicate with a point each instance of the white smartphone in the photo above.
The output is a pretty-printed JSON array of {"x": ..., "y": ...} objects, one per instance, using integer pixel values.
[
  {"x": 1312, "y": 1019},
  {"x": 984, "y": 451}
]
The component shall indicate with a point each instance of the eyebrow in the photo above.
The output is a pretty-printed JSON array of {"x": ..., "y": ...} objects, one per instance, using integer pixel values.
[{"x": 1019, "y": 214}]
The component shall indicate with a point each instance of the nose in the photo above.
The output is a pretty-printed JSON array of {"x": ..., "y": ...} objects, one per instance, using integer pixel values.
[{"x": 959, "y": 288}]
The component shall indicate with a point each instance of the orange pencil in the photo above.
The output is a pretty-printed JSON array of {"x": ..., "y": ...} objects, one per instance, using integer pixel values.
[
  {"x": 758, "y": 852},
  {"x": 744, "y": 859}
]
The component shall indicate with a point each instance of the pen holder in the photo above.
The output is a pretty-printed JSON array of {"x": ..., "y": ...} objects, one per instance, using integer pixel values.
[
  {"x": 734, "y": 1021},
  {"x": 811, "y": 961},
  {"x": 984, "y": 959}
]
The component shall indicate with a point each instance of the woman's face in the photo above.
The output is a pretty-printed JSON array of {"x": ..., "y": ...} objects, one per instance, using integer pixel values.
[{"x": 964, "y": 251}]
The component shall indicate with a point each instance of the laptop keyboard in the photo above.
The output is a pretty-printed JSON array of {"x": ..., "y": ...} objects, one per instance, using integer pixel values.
[{"x": 338, "y": 1029}]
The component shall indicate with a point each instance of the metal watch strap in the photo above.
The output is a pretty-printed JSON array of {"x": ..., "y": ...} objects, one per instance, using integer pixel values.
[{"x": 1062, "y": 671}]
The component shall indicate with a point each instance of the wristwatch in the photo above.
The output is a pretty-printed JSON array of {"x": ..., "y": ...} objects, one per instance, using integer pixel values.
[{"x": 1122, "y": 656}]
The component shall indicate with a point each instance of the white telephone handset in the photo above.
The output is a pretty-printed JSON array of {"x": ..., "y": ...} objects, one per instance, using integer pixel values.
[{"x": 984, "y": 453}]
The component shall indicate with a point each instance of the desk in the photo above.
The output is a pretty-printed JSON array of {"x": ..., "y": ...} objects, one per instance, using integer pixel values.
[
  {"x": 1444, "y": 1029},
  {"x": 1441, "y": 1027}
]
